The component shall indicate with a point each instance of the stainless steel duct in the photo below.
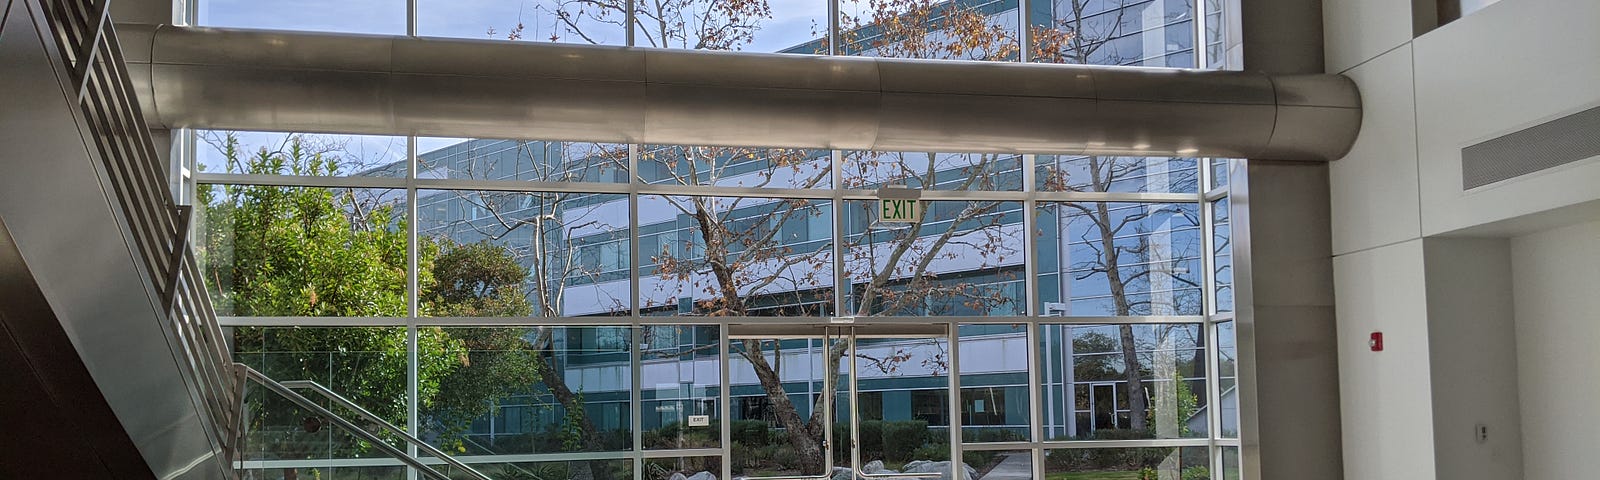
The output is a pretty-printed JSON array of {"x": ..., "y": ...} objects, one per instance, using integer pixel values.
[{"x": 292, "y": 81}]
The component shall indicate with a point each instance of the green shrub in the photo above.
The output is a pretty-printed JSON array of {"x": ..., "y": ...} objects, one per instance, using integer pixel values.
[
  {"x": 871, "y": 438},
  {"x": 751, "y": 433},
  {"x": 1197, "y": 473},
  {"x": 781, "y": 456},
  {"x": 936, "y": 452},
  {"x": 979, "y": 459},
  {"x": 901, "y": 438},
  {"x": 991, "y": 435}
]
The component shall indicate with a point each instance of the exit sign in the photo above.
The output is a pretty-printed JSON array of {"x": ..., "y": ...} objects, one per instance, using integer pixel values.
[{"x": 899, "y": 210}]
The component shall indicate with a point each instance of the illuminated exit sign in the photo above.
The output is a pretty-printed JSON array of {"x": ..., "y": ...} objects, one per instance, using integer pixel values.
[{"x": 899, "y": 205}]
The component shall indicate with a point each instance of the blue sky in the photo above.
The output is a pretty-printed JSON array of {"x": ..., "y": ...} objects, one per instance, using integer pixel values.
[{"x": 792, "y": 21}]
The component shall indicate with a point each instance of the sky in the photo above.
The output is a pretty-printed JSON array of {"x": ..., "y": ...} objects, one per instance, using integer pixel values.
[{"x": 792, "y": 21}]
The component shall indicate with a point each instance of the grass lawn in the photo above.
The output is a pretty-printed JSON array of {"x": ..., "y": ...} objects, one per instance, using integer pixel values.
[{"x": 1092, "y": 476}]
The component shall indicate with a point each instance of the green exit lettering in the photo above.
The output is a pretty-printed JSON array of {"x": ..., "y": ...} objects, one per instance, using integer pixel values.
[{"x": 898, "y": 210}]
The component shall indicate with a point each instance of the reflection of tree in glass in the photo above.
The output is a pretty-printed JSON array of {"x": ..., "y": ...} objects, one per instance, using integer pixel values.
[
  {"x": 559, "y": 229},
  {"x": 1100, "y": 355},
  {"x": 302, "y": 251}
]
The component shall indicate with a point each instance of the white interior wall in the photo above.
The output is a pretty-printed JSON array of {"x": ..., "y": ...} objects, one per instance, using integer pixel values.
[
  {"x": 1508, "y": 66},
  {"x": 1384, "y": 396},
  {"x": 1472, "y": 351},
  {"x": 1556, "y": 282}
]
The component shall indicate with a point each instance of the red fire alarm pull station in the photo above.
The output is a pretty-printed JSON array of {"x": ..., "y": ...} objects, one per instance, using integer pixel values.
[{"x": 1376, "y": 341}]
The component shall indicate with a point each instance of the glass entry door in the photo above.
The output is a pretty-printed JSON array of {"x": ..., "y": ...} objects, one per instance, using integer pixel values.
[{"x": 811, "y": 401}]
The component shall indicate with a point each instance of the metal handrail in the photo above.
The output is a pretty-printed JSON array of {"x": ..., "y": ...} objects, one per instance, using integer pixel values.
[
  {"x": 306, "y": 403},
  {"x": 391, "y": 428},
  {"x": 89, "y": 50}
]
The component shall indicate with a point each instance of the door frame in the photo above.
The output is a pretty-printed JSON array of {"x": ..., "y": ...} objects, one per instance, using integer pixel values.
[{"x": 852, "y": 332}]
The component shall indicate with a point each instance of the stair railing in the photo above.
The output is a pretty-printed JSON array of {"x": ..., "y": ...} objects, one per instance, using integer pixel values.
[{"x": 87, "y": 43}]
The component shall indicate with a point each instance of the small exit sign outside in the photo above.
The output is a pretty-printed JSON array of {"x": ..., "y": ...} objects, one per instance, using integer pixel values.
[
  {"x": 699, "y": 420},
  {"x": 899, "y": 210}
]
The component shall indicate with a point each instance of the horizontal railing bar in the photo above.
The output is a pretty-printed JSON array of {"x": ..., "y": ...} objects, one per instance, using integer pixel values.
[
  {"x": 371, "y": 417},
  {"x": 307, "y": 404}
]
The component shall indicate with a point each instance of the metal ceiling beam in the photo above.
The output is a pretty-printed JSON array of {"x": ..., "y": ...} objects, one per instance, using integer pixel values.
[{"x": 316, "y": 82}]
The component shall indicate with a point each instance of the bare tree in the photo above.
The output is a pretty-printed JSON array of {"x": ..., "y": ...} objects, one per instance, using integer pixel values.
[{"x": 739, "y": 255}]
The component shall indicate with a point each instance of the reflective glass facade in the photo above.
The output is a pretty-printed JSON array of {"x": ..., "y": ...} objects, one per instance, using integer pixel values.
[
  {"x": 557, "y": 304},
  {"x": 557, "y": 309}
]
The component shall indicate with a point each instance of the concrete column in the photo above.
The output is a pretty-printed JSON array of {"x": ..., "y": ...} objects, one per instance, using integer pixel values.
[
  {"x": 1289, "y": 371},
  {"x": 1288, "y": 351}
]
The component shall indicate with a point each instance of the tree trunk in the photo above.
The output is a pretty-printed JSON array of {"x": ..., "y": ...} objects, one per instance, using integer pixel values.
[
  {"x": 802, "y": 435},
  {"x": 551, "y": 377},
  {"x": 1136, "y": 397},
  {"x": 1130, "y": 352}
]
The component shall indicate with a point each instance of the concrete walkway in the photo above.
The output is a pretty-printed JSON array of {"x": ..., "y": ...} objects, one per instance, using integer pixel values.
[{"x": 1016, "y": 466}]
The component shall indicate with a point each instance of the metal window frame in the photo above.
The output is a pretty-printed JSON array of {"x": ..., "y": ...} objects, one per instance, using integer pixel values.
[{"x": 1029, "y": 196}]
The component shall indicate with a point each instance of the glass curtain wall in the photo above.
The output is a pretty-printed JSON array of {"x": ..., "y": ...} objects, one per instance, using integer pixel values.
[
  {"x": 1146, "y": 33},
  {"x": 551, "y": 309},
  {"x": 554, "y": 306}
]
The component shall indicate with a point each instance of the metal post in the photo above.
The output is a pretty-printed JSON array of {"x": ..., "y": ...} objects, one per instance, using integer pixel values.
[
  {"x": 724, "y": 398},
  {"x": 413, "y": 413},
  {"x": 636, "y": 395}
]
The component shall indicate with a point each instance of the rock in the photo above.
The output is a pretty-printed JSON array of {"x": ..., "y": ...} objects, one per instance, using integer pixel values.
[
  {"x": 677, "y": 476},
  {"x": 702, "y": 476},
  {"x": 943, "y": 468},
  {"x": 875, "y": 466},
  {"x": 913, "y": 464},
  {"x": 842, "y": 473}
]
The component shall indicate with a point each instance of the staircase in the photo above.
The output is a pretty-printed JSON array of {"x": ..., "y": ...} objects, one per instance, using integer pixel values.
[{"x": 95, "y": 258}]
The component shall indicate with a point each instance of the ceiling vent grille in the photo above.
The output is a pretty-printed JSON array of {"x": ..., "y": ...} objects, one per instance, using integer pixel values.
[{"x": 1546, "y": 145}]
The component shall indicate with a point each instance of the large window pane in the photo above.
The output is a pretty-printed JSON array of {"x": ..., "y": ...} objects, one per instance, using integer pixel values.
[
  {"x": 903, "y": 397},
  {"x": 1228, "y": 378},
  {"x": 301, "y": 154},
  {"x": 366, "y": 365},
  {"x": 1122, "y": 382},
  {"x": 950, "y": 30},
  {"x": 1119, "y": 259},
  {"x": 1116, "y": 174},
  {"x": 529, "y": 160},
  {"x": 349, "y": 16},
  {"x": 1186, "y": 463},
  {"x": 964, "y": 258},
  {"x": 768, "y": 26},
  {"x": 1216, "y": 36},
  {"x": 680, "y": 380},
  {"x": 1219, "y": 172},
  {"x": 729, "y": 256},
  {"x": 736, "y": 166},
  {"x": 567, "y": 21},
  {"x": 1230, "y": 463},
  {"x": 1150, "y": 33},
  {"x": 1222, "y": 253},
  {"x": 514, "y": 390},
  {"x": 303, "y": 251},
  {"x": 994, "y": 383},
  {"x": 777, "y": 399},
  {"x": 517, "y": 254},
  {"x": 933, "y": 171}
]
